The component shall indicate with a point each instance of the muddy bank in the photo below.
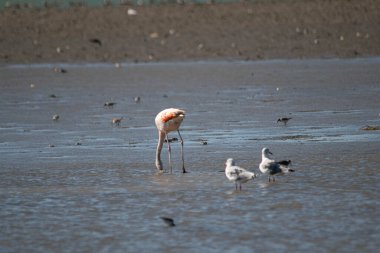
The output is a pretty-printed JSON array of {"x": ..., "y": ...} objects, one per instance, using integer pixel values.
[{"x": 246, "y": 31}]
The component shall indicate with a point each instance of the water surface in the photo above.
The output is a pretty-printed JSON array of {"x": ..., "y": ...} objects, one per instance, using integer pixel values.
[{"x": 81, "y": 184}]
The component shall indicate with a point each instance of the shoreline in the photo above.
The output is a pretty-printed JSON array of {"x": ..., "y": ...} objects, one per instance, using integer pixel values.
[
  {"x": 245, "y": 31},
  {"x": 370, "y": 59}
]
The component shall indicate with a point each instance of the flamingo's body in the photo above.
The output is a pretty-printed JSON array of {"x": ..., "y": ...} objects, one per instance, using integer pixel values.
[
  {"x": 272, "y": 167},
  {"x": 237, "y": 174},
  {"x": 167, "y": 121}
]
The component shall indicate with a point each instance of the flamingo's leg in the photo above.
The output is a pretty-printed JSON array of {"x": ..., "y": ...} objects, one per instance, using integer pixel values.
[
  {"x": 182, "y": 153},
  {"x": 169, "y": 153}
]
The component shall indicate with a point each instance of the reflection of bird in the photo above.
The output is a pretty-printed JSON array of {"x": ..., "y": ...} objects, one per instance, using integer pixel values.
[
  {"x": 167, "y": 121},
  {"x": 237, "y": 174},
  {"x": 168, "y": 221},
  {"x": 272, "y": 167},
  {"x": 284, "y": 120}
]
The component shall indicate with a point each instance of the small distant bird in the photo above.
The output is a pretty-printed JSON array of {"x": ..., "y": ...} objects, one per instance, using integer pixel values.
[
  {"x": 171, "y": 139},
  {"x": 52, "y": 96},
  {"x": 168, "y": 221},
  {"x": 167, "y": 121},
  {"x": 60, "y": 70},
  {"x": 271, "y": 167},
  {"x": 117, "y": 121},
  {"x": 137, "y": 99},
  {"x": 237, "y": 174},
  {"x": 55, "y": 117},
  {"x": 284, "y": 120},
  {"x": 109, "y": 104}
]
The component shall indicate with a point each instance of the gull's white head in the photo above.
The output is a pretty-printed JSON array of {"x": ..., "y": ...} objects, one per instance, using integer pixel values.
[
  {"x": 230, "y": 162},
  {"x": 266, "y": 152}
]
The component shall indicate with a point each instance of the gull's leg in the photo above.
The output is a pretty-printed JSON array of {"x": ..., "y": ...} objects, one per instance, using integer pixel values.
[
  {"x": 182, "y": 154},
  {"x": 169, "y": 153}
]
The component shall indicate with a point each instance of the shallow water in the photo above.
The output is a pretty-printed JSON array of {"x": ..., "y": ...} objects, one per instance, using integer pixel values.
[{"x": 97, "y": 189}]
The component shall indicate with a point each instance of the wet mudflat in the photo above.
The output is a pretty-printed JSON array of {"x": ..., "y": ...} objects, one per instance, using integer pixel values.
[{"x": 83, "y": 184}]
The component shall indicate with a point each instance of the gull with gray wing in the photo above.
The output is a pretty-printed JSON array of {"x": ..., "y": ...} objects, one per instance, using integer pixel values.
[{"x": 271, "y": 167}]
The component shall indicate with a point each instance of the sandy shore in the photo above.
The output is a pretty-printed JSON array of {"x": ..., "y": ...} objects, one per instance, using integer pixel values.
[{"x": 245, "y": 31}]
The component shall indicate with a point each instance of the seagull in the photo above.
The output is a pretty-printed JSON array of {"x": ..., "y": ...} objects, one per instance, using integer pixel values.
[
  {"x": 272, "y": 167},
  {"x": 237, "y": 174},
  {"x": 167, "y": 121},
  {"x": 284, "y": 120},
  {"x": 168, "y": 221}
]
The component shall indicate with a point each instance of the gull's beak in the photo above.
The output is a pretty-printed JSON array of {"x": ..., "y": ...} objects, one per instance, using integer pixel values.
[{"x": 270, "y": 152}]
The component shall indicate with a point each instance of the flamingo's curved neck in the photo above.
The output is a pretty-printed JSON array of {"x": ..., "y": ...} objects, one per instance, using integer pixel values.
[{"x": 161, "y": 138}]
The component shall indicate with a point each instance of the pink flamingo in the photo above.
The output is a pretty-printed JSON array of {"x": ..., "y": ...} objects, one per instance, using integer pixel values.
[{"x": 167, "y": 121}]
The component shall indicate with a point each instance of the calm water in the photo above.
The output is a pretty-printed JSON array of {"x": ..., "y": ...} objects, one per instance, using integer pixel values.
[{"x": 97, "y": 189}]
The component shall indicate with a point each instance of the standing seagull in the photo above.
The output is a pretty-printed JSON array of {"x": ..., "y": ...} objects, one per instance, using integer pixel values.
[
  {"x": 237, "y": 174},
  {"x": 272, "y": 167},
  {"x": 167, "y": 121}
]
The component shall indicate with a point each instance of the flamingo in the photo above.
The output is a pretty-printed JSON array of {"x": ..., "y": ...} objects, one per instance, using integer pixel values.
[
  {"x": 272, "y": 167},
  {"x": 237, "y": 174},
  {"x": 167, "y": 121}
]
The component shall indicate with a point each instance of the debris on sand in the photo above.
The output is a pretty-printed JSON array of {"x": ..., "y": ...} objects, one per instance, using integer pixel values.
[
  {"x": 132, "y": 12},
  {"x": 96, "y": 41}
]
